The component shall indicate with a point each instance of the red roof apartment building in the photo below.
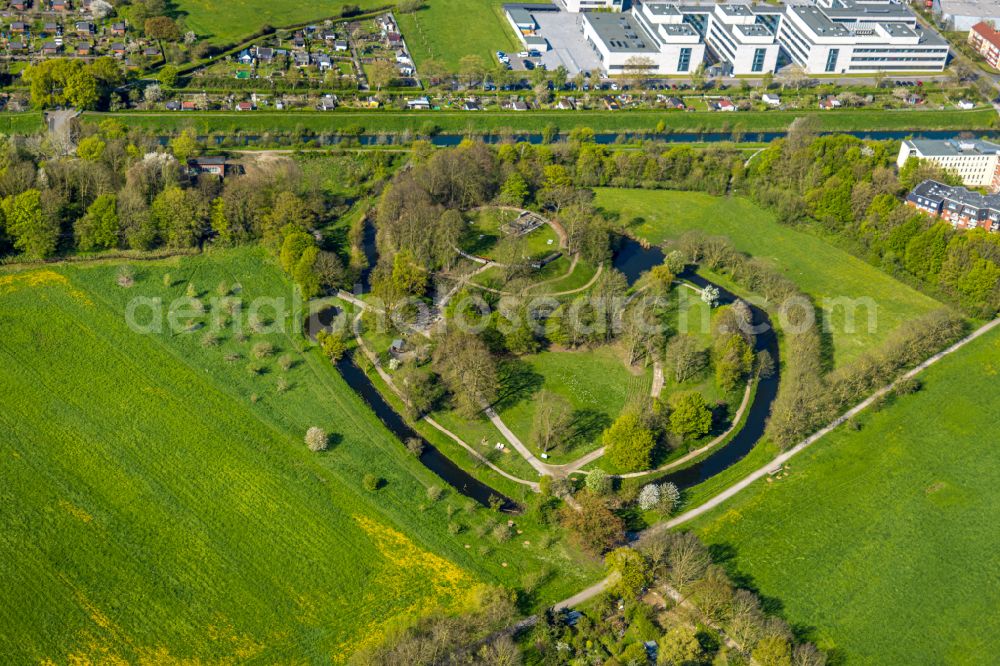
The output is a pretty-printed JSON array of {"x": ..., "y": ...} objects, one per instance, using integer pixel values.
[{"x": 984, "y": 39}]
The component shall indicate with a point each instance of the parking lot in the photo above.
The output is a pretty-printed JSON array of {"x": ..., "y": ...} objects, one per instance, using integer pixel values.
[{"x": 568, "y": 46}]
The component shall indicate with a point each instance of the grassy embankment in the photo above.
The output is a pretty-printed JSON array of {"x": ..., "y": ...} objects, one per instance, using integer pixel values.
[
  {"x": 821, "y": 270},
  {"x": 881, "y": 543},
  {"x": 457, "y": 122},
  {"x": 166, "y": 506}
]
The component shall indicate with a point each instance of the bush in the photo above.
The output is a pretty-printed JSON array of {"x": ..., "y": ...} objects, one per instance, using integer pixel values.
[
  {"x": 455, "y": 528},
  {"x": 317, "y": 439},
  {"x": 415, "y": 445},
  {"x": 263, "y": 350},
  {"x": 285, "y": 362},
  {"x": 502, "y": 532},
  {"x": 434, "y": 493},
  {"x": 599, "y": 482},
  {"x": 371, "y": 483},
  {"x": 670, "y": 496}
]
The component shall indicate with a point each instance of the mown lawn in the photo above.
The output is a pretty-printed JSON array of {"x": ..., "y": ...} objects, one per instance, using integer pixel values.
[
  {"x": 161, "y": 503},
  {"x": 881, "y": 544},
  {"x": 596, "y": 383},
  {"x": 458, "y": 122},
  {"x": 21, "y": 123},
  {"x": 448, "y": 30},
  {"x": 821, "y": 270},
  {"x": 230, "y": 22}
]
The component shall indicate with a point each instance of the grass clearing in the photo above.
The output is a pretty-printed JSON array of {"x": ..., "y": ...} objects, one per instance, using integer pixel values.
[
  {"x": 823, "y": 271},
  {"x": 881, "y": 544},
  {"x": 167, "y": 508},
  {"x": 231, "y": 22},
  {"x": 432, "y": 33},
  {"x": 595, "y": 382}
]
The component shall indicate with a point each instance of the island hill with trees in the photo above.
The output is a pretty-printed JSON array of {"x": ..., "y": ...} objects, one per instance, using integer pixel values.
[{"x": 123, "y": 193}]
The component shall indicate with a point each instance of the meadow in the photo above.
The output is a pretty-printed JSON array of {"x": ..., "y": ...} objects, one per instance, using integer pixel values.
[
  {"x": 162, "y": 503},
  {"x": 231, "y": 22},
  {"x": 448, "y": 30},
  {"x": 484, "y": 122},
  {"x": 597, "y": 384},
  {"x": 821, "y": 270},
  {"x": 880, "y": 544}
]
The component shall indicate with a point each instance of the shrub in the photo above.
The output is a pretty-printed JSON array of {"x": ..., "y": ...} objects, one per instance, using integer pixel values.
[
  {"x": 670, "y": 496},
  {"x": 502, "y": 532},
  {"x": 599, "y": 482},
  {"x": 191, "y": 291},
  {"x": 285, "y": 362},
  {"x": 263, "y": 349},
  {"x": 253, "y": 369},
  {"x": 209, "y": 340},
  {"x": 282, "y": 385},
  {"x": 126, "y": 276},
  {"x": 415, "y": 445},
  {"x": 455, "y": 528},
  {"x": 371, "y": 483},
  {"x": 316, "y": 439},
  {"x": 232, "y": 357},
  {"x": 649, "y": 497},
  {"x": 167, "y": 280},
  {"x": 434, "y": 493}
]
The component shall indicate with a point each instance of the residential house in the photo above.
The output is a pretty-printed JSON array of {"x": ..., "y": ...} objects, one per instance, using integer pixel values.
[
  {"x": 151, "y": 52},
  {"x": 84, "y": 28},
  {"x": 566, "y": 104},
  {"x": 17, "y": 45},
  {"x": 610, "y": 104},
  {"x": 50, "y": 48},
  {"x": 244, "y": 106},
  {"x": 404, "y": 69},
  {"x": 300, "y": 58},
  {"x": 20, "y": 5},
  {"x": 118, "y": 29},
  {"x": 985, "y": 39},
  {"x": 327, "y": 103},
  {"x": 723, "y": 104},
  {"x": 60, "y": 5},
  {"x": 83, "y": 49},
  {"x": 245, "y": 57},
  {"x": 966, "y": 105},
  {"x": 173, "y": 105},
  {"x": 674, "y": 103},
  {"x": 323, "y": 61},
  {"x": 18, "y": 27},
  {"x": 341, "y": 45},
  {"x": 418, "y": 103},
  {"x": 964, "y": 209},
  {"x": 830, "y": 102},
  {"x": 264, "y": 53},
  {"x": 117, "y": 49},
  {"x": 189, "y": 106},
  {"x": 770, "y": 100},
  {"x": 471, "y": 105},
  {"x": 51, "y": 29},
  {"x": 207, "y": 164},
  {"x": 516, "y": 105}
]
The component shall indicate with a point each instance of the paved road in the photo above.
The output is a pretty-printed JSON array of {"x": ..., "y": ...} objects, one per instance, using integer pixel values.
[{"x": 780, "y": 460}]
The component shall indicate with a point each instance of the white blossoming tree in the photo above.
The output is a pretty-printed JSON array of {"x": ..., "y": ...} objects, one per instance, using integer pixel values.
[{"x": 649, "y": 497}]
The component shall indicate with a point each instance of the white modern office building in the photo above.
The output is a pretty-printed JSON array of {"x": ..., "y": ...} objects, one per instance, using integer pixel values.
[
  {"x": 577, "y": 6},
  {"x": 976, "y": 162},
  {"x": 627, "y": 43},
  {"x": 847, "y": 37}
]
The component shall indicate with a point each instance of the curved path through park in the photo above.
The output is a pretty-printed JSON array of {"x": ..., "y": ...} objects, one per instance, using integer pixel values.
[{"x": 778, "y": 461}]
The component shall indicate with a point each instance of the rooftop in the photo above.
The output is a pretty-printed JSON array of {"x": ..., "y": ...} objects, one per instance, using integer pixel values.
[
  {"x": 953, "y": 147},
  {"x": 620, "y": 32}
]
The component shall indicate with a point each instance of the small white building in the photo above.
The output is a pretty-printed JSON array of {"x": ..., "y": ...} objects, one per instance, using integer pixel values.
[{"x": 770, "y": 100}]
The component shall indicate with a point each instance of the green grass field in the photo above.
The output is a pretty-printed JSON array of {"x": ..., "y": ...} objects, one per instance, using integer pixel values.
[
  {"x": 457, "y": 122},
  {"x": 163, "y": 506},
  {"x": 820, "y": 269},
  {"x": 225, "y": 23},
  {"x": 881, "y": 544},
  {"x": 596, "y": 383},
  {"x": 447, "y": 30},
  {"x": 21, "y": 123}
]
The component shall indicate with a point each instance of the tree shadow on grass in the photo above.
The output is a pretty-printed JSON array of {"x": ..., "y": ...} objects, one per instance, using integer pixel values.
[
  {"x": 517, "y": 381},
  {"x": 585, "y": 426}
]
